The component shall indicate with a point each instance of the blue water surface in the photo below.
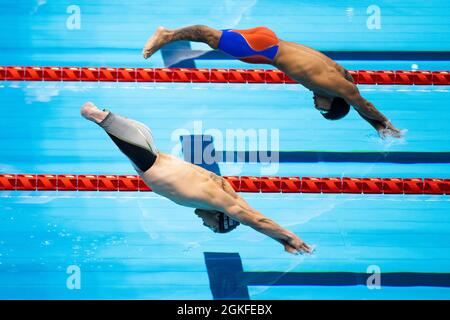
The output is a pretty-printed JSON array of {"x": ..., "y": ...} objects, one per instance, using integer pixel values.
[{"x": 131, "y": 245}]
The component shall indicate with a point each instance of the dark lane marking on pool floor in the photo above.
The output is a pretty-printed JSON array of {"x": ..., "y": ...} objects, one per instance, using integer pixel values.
[{"x": 228, "y": 280}]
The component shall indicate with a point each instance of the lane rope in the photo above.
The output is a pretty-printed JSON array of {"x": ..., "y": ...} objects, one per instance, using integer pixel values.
[
  {"x": 201, "y": 75},
  {"x": 269, "y": 184}
]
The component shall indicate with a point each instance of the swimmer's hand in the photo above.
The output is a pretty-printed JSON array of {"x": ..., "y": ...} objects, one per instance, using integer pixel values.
[
  {"x": 388, "y": 130},
  {"x": 295, "y": 245}
]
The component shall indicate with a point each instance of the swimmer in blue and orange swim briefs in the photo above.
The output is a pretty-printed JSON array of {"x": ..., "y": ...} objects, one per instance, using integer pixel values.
[{"x": 333, "y": 86}]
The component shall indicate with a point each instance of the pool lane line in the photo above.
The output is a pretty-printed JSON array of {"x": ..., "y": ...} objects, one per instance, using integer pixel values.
[
  {"x": 213, "y": 76},
  {"x": 252, "y": 196},
  {"x": 252, "y": 184}
]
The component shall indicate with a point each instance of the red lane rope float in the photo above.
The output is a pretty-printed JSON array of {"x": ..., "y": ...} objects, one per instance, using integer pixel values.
[
  {"x": 196, "y": 75},
  {"x": 91, "y": 182}
]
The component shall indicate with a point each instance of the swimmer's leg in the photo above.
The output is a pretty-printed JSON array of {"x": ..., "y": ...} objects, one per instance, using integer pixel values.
[
  {"x": 133, "y": 138},
  {"x": 196, "y": 33}
]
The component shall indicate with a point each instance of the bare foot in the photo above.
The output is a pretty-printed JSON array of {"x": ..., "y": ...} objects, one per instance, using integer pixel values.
[
  {"x": 92, "y": 113},
  {"x": 155, "y": 42}
]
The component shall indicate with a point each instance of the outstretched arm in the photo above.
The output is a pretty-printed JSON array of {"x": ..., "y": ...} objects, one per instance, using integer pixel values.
[
  {"x": 369, "y": 112},
  {"x": 378, "y": 125},
  {"x": 237, "y": 208},
  {"x": 384, "y": 128},
  {"x": 261, "y": 223}
]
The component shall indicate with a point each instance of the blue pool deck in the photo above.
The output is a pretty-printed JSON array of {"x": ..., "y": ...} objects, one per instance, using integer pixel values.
[{"x": 130, "y": 245}]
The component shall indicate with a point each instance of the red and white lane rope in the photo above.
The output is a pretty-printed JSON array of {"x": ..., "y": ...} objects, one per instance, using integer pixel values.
[
  {"x": 91, "y": 182},
  {"x": 199, "y": 75}
]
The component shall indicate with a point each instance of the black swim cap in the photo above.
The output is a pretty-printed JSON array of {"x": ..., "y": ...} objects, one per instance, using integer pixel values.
[
  {"x": 226, "y": 224},
  {"x": 222, "y": 224},
  {"x": 339, "y": 109}
]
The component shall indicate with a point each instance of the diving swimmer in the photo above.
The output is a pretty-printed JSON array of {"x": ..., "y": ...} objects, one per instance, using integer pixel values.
[
  {"x": 186, "y": 184},
  {"x": 333, "y": 86}
]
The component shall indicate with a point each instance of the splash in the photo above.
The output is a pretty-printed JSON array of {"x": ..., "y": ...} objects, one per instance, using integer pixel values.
[{"x": 39, "y": 3}]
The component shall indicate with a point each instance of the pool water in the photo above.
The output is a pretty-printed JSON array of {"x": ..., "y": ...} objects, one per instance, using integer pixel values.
[{"x": 130, "y": 245}]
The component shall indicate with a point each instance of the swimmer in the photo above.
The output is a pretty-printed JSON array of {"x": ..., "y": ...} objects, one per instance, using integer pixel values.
[
  {"x": 186, "y": 184},
  {"x": 333, "y": 86}
]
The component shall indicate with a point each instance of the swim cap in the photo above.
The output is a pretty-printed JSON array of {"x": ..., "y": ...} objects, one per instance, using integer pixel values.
[
  {"x": 339, "y": 109},
  {"x": 226, "y": 224},
  {"x": 220, "y": 222}
]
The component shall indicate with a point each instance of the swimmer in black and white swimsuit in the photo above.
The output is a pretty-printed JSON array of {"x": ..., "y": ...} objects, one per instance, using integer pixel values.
[{"x": 220, "y": 207}]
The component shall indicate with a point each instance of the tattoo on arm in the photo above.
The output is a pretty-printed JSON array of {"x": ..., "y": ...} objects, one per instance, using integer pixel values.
[
  {"x": 264, "y": 220},
  {"x": 260, "y": 222},
  {"x": 368, "y": 111},
  {"x": 223, "y": 185},
  {"x": 375, "y": 112},
  {"x": 273, "y": 230},
  {"x": 375, "y": 123},
  {"x": 369, "y": 107},
  {"x": 348, "y": 76}
]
